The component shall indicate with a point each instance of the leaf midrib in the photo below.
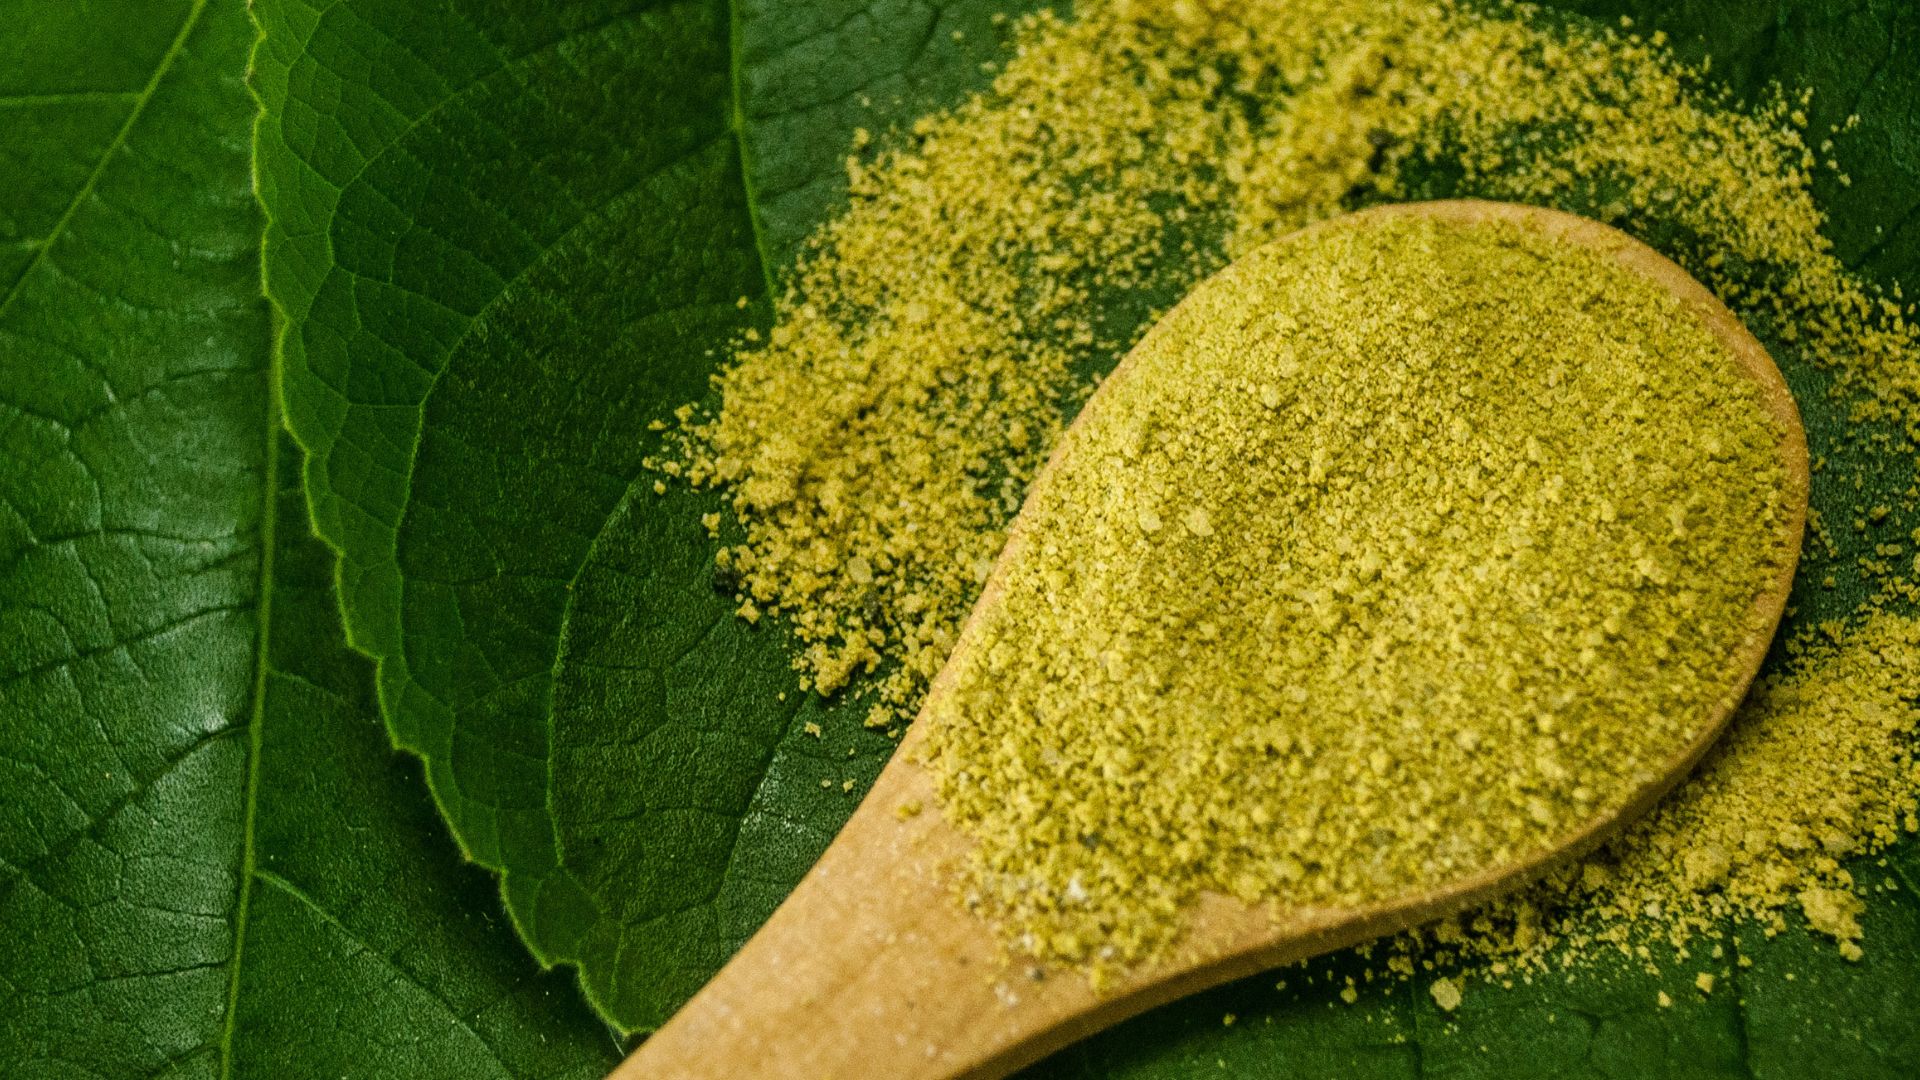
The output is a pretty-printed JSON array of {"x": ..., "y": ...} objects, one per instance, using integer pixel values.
[
  {"x": 263, "y": 634},
  {"x": 269, "y": 522},
  {"x": 737, "y": 122}
]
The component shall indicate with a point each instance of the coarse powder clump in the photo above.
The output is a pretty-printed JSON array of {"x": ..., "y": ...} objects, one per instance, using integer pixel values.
[
  {"x": 936, "y": 336},
  {"x": 1439, "y": 536}
]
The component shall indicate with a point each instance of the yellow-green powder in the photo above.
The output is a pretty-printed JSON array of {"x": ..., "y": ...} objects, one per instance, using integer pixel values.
[
  {"x": 932, "y": 340},
  {"x": 1403, "y": 549}
]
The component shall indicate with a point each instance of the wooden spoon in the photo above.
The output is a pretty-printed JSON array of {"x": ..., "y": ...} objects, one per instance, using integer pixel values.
[{"x": 873, "y": 969}]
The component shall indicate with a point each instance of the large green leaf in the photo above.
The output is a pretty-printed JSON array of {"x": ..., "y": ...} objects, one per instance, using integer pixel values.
[
  {"x": 210, "y": 863},
  {"x": 493, "y": 249},
  {"x": 507, "y": 238},
  {"x": 501, "y": 255}
]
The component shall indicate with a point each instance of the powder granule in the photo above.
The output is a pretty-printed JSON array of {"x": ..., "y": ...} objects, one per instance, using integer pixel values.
[{"x": 1474, "y": 526}]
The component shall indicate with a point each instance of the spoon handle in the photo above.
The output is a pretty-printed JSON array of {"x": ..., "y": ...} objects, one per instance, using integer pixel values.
[{"x": 870, "y": 968}]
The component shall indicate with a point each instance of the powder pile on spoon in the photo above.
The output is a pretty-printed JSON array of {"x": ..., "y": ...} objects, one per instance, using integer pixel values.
[{"x": 1401, "y": 549}]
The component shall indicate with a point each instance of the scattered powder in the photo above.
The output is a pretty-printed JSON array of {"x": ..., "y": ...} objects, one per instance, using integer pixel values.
[
  {"x": 1756, "y": 828},
  {"x": 935, "y": 337},
  {"x": 1487, "y": 562},
  {"x": 880, "y": 439}
]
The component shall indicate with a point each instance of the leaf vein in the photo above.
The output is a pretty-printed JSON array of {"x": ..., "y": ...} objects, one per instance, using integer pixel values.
[
  {"x": 119, "y": 140},
  {"x": 319, "y": 911}
]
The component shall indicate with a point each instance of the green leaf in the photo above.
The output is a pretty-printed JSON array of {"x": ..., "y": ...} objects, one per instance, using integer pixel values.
[
  {"x": 1859, "y": 59},
  {"x": 210, "y": 864},
  {"x": 500, "y": 258},
  {"x": 368, "y": 947},
  {"x": 494, "y": 256}
]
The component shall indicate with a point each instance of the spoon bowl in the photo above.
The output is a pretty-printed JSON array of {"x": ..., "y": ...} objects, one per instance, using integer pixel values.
[{"x": 873, "y": 968}]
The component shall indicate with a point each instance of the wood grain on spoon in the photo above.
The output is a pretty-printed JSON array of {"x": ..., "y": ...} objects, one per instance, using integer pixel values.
[{"x": 873, "y": 969}]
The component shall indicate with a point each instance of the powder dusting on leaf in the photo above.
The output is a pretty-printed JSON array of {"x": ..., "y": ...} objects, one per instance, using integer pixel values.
[{"x": 936, "y": 336}]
